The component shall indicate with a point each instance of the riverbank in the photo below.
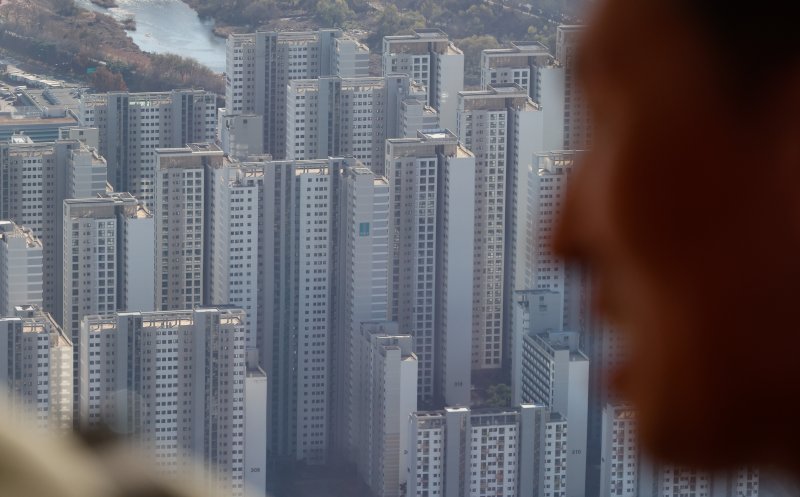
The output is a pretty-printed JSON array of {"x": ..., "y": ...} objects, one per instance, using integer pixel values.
[
  {"x": 128, "y": 24},
  {"x": 92, "y": 46},
  {"x": 106, "y": 4}
]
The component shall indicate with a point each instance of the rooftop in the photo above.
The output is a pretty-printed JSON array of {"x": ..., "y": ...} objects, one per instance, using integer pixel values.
[
  {"x": 9, "y": 229},
  {"x": 422, "y": 34},
  {"x": 192, "y": 156},
  {"x": 462, "y": 151},
  {"x": 139, "y": 98},
  {"x": 442, "y": 135},
  {"x": 21, "y": 120},
  {"x": 19, "y": 139},
  {"x": 256, "y": 372},
  {"x": 497, "y": 96}
]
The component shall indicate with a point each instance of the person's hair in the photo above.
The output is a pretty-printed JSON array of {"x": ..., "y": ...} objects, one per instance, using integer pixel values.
[{"x": 763, "y": 38}]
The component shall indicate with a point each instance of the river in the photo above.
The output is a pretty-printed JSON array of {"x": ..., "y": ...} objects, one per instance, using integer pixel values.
[{"x": 169, "y": 26}]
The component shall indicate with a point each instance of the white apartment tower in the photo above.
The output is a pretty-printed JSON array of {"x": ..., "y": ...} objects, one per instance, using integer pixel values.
[
  {"x": 503, "y": 128},
  {"x": 619, "y": 460},
  {"x": 544, "y": 270},
  {"x": 531, "y": 66},
  {"x": 108, "y": 262},
  {"x": 256, "y": 410},
  {"x": 431, "y": 59},
  {"x": 302, "y": 242},
  {"x": 553, "y": 373},
  {"x": 517, "y": 63},
  {"x": 20, "y": 268},
  {"x": 577, "y": 129},
  {"x": 260, "y": 65},
  {"x": 234, "y": 256},
  {"x": 241, "y": 136},
  {"x": 433, "y": 184},
  {"x": 385, "y": 397},
  {"x": 133, "y": 125},
  {"x": 87, "y": 174},
  {"x": 297, "y": 306},
  {"x": 180, "y": 221},
  {"x": 36, "y": 368},
  {"x": 176, "y": 380},
  {"x": 534, "y": 312},
  {"x": 407, "y": 109},
  {"x": 625, "y": 471},
  {"x": 487, "y": 452},
  {"x": 360, "y": 293},
  {"x": 35, "y": 178},
  {"x": 543, "y": 453},
  {"x": 108, "y": 258},
  {"x": 336, "y": 117}
]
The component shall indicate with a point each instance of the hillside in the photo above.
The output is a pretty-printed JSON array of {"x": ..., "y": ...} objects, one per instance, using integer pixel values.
[{"x": 86, "y": 45}]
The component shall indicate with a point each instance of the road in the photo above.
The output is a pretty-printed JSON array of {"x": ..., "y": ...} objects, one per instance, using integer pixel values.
[{"x": 526, "y": 13}]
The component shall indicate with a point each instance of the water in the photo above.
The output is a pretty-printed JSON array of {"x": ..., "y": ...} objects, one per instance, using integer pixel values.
[{"x": 169, "y": 26}]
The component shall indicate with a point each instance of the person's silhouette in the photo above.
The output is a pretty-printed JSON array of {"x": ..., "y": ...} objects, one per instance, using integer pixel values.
[{"x": 687, "y": 210}]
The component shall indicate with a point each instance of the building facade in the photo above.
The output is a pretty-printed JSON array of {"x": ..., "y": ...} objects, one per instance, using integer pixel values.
[
  {"x": 35, "y": 178},
  {"x": 20, "y": 268},
  {"x": 234, "y": 256},
  {"x": 431, "y": 59},
  {"x": 260, "y": 65},
  {"x": 108, "y": 262},
  {"x": 554, "y": 372},
  {"x": 108, "y": 255},
  {"x": 335, "y": 117},
  {"x": 626, "y": 471},
  {"x": 133, "y": 125},
  {"x": 361, "y": 271},
  {"x": 433, "y": 183},
  {"x": 385, "y": 397},
  {"x": 577, "y": 128},
  {"x": 487, "y": 452},
  {"x": 342, "y": 117},
  {"x": 180, "y": 223},
  {"x": 303, "y": 239},
  {"x": 176, "y": 380},
  {"x": 36, "y": 368},
  {"x": 503, "y": 128}
]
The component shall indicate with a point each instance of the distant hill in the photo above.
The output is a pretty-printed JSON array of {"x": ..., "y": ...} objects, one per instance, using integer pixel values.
[{"x": 83, "y": 44}]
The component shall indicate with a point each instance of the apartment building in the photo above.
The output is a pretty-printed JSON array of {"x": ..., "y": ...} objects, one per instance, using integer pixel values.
[
  {"x": 36, "y": 368},
  {"x": 360, "y": 268},
  {"x": 341, "y": 117},
  {"x": 433, "y": 184},
  {"x": 551, "y": 370},
  {"x": 35, "y": 178},
  {"x": 626, "y": 471},
  {"x": 20, "y": 268},
  {"x": 487, "y": 452},
  {"x": 431, "y": 59},
  {"x": 503, "y": 128},
  {"x": 302, "y": 242},
  {"x": 133, "y": 125},
  {"x": 177, "y": 381},
  {"x": 260, "y": 65},
  {"x": 180, "y": 224},
  {"x": 385, "y": 396}
]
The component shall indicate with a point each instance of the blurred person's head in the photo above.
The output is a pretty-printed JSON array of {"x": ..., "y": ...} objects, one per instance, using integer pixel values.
[{"x": 687, "y": 209}]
